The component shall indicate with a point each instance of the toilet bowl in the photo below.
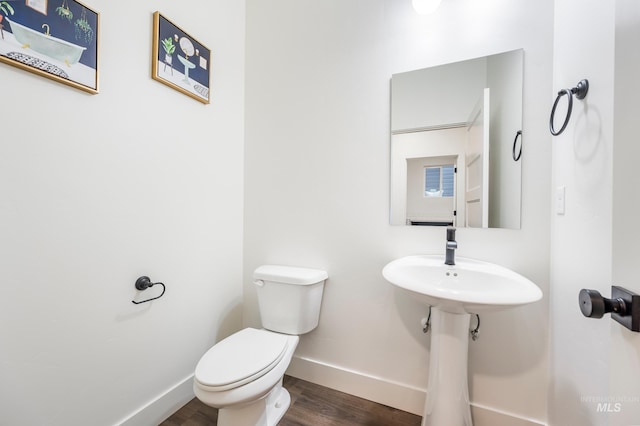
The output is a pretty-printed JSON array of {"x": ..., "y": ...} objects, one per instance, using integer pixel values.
[
  {"x": 242, "y": 374},
  {"x": 250, "y": 388}
]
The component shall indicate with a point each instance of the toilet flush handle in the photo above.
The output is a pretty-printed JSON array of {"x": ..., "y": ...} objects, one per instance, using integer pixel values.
[{"x": 259, "y": 283}]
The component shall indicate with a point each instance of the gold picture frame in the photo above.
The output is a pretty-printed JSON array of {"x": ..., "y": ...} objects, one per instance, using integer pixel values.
[
  {"x": 64, "y": 48},
  {"x": 191, "y": 75}
]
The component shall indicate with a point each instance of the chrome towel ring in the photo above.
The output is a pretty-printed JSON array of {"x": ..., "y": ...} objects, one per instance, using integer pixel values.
[{"x": 580, "y": 91}]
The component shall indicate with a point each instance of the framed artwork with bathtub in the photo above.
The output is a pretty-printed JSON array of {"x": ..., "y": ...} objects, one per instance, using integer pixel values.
[
  {"x": 179, "y": 60},
  {"x": 57, "y": 40}
]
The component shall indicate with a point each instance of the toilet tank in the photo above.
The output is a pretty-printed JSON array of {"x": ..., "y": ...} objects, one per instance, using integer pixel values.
[{"x": 289, "y": 297}]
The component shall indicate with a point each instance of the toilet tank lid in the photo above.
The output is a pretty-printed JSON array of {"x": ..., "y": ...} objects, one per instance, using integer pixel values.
[{"x": 290, "y": 274}]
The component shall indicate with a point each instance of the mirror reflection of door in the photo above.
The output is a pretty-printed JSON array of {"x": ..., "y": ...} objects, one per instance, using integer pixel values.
[
  {"x": 431, "y": 191},
  {"x": 477, "y": 163}
]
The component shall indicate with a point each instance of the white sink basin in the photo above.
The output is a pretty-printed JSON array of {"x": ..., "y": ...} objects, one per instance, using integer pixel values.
[{"x": 469, "y": 286}]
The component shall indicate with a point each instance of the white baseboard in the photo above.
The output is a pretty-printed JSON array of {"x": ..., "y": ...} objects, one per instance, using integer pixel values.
[
  {"x": 393, "y": 394},
  {"x": 489, "y": 416},
  {"x": 382, "y": 391},
  {"x": 158, "y": 410}
]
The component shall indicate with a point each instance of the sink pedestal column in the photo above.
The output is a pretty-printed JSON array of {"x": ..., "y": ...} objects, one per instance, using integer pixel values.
[{"x": 448, "y": 387}]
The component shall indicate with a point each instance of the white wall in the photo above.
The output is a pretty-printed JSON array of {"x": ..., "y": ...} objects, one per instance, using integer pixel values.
[
  {"x": 625, "y": 345},
  {"x": 594, "y": 244},
  {"x": 100, "y": 189},
  {"x": 317, "y": 188},
  {"x": 581, "y": 238}
]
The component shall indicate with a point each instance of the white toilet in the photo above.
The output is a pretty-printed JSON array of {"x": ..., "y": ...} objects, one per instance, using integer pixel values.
[{"x": 242, "y": 374}]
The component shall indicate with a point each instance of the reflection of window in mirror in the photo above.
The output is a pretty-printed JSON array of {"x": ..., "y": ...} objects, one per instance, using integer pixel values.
[{"x": 439, "y": 181}]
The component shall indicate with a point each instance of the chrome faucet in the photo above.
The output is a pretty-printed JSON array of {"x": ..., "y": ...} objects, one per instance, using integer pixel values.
[{"x": 452, "y": 245}]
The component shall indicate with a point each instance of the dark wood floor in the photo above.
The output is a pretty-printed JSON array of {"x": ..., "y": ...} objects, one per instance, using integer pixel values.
[{"x": 311, "y": 405}]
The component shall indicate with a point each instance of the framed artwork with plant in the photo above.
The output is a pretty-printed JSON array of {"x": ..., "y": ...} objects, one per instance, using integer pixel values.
[
  {"x": 179, "y": 60},
  {"x": 57, "y": 40}
]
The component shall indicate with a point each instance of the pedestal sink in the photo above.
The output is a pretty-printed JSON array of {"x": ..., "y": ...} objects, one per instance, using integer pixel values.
[{"x": 454, "y": 292}]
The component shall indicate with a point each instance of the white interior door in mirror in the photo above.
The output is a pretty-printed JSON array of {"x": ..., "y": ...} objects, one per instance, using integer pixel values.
[{"x": 477, "y": 164}]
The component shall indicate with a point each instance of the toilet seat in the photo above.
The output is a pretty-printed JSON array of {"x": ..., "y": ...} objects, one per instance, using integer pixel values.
[{"x": 239, "y": 359}]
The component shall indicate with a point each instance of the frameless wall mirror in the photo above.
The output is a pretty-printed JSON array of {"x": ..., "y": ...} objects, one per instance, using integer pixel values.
[{"x": 456, "y": 144}]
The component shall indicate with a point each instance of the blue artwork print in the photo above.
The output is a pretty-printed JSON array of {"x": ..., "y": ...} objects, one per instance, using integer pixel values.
[
  {"x": 58, "y": 39},
  {"x": 180, "y": 60}
]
